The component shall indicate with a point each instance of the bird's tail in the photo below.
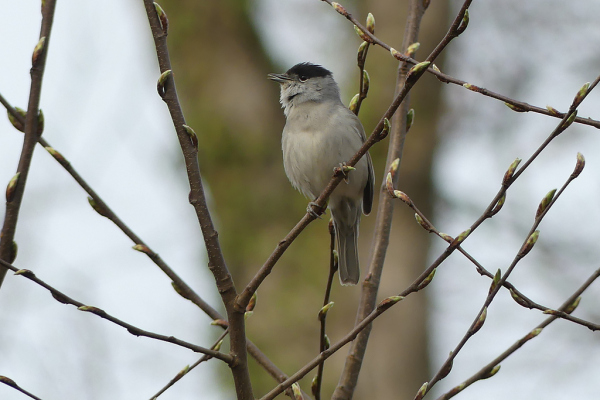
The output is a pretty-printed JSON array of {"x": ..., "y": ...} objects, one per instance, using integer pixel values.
[{"x": 346, "y": 218}]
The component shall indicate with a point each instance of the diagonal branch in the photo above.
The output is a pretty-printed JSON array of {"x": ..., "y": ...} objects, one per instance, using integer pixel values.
[
  {"x": 33, "y": 129},
  {"x": 9, "y": 382},
  {"x": 493, "y": 366},
  {"x": 181, "y": 287},
  {"x": 383, "y": 223},
  {"x": 64, "y": 299},
  {"x": 216, "y": 262}
]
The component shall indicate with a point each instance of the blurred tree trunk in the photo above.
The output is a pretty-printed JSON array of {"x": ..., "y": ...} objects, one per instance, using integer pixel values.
[
  {"x": 396, "y": 362},
  {"x": 220, "y": 67}
]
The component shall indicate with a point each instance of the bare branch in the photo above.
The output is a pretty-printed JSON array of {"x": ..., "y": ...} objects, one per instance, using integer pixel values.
[
  {"x": 216, "y": 261},
  {"x": 9, "y": 382},
  {"x": 64, "y": 299},
  {"x": 33, "y": 129}
]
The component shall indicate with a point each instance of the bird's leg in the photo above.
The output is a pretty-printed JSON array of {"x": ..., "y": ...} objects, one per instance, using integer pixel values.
[
  {"x": 315, "y": 210},
  {"x": 344, "y": 169}
]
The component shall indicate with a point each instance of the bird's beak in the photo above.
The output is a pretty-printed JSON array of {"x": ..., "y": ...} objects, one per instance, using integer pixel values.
[{"x": 279, "y": 78}]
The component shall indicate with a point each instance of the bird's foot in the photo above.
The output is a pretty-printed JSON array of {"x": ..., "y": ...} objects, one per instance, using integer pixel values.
[
  {"x": 344, "y": 170},
  {"x": 315, "y": 210}
]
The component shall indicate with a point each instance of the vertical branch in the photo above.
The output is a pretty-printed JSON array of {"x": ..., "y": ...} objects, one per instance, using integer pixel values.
[
  {"x": 33, "y": 129},
  {"x": 324, "y": 341},
  {"x": 216, "y": 262},
  {"x": 417, "y": 8},
  {"x": 383, "y": 224}
]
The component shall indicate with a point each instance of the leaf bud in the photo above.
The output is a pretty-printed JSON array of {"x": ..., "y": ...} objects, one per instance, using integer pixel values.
[
  {"x": 38, "y": 50},
  {"x": 371, "y": 23},
  {"x": 544, "y": 203},
  {"x": 12, "y": 187},
  {"x": 578, "y": 166},
  {"x": 353, "y": 106},
  {"x": 531, "y": 240},
  {"x": 410, "y": 118},
  {"x": 162, "y": 17},
  {"x": 425, "y": 282},
  {"x": 511, "y": 171},
  {"x": 463, "y": 24},
  {"x": 15, "y": 121}
]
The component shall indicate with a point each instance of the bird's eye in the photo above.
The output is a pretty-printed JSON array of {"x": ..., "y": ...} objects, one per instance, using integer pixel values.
[{"x": 303, "y": 78}]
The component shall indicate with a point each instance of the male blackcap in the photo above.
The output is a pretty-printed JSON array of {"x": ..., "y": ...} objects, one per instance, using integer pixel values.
[{"x": 321, "y": 134}]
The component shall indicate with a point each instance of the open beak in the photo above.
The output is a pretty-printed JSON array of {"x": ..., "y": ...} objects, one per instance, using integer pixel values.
[{"x": 279, "y": 78}]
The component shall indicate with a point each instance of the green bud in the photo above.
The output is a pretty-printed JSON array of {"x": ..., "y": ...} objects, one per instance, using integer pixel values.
[
  {"x": 533, "y": 333},
  {"x": 162, "y": 16},
  {"x": 162, "y": 80},
  {"x": 371, "y": 23},
  {"x": 8, "y": 381},
  {"x": 220, "y": 322},
  {"x": 295, "y": 386},
  {"x": 498, "y": 205},
  {"x": 545, "y": 202},
  {"x": 479, "y": 322},
  {"x": 15, "y": 121},
  {"x": 461, "y": 237},
  {"x": 520, "y": 300},
  {"x": 511, "y": 171},
  {"x": 362, "y": 52},
  {"x": 324, "y": 309},
  {"x": 493, "y": 371},
  {"x": 410, "y": 118},
  {"x": 389, "y": 185},
  {"x": 386, "y": 128},
  {"x": 423, "y": 223},
  {"x": 354, "y": 103},
  {"x": 13, "y": 252},
  {"x": 579, "y": 166},
  {"x": 463, "y": 24},
  {"x": 100, "y": 209},
  {"x": 192, "y": 134},
  {"x": 531, "y": 240},
  {"x": 314, "y": 386},
  {"x": 366, "y": 82},
  {"x": 412, "y": 49},
  {"x": 180, "y": 291},
  {"x": 251, "y": 303},
  {"x": 397, "y": 55},
  {"x": 425, "y": 282},
  {"x": 582, "y": 93},
  {"x": 394, "y": 166},
  {"x": 338, "y": 7},
  {"x": 515, "y": 107},
  {"x": 185, "y": 369},
  {"x": 142, "y": 248},
  {"x": 569, "y": 120},
  {"x": 402, "y": 196},
  {"x": 446, "y": 237},
  {"x": 419, "y": 69},
  {"x": 390, "y": 301},
  {"x": 553, "y": 111},
  {"x": 40, "y": 126},
  {"x": 571, "y": 307},
  {"x": 327, "y": 342},
  {"x": 93, "y": 310},
  {"x": 472, "y": 87},
  {"x": 496, "y": 280},
  {"x": 422, "y": 391},
  {"x": 362, "y": 35},
  {"x": 37, "y": 51},
  {"x": 25, "y": 272},
  {"x": 12, "y": 187}
]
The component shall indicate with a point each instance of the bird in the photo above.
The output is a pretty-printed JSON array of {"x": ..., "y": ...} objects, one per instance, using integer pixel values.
[{"x": 322, "y": 134}]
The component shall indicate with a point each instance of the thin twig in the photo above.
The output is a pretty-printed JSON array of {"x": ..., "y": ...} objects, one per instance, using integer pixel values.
[
  {"x": 9, "y": 382},
  {"x": 63, "y": 298},
  {"x": 323, "y": 339},
  {"x": 181, "y": 287},
  {"x": 216, "y": 261},
  {"x": 493, "y": 366},
  {"x": 383, "y": 223},
  {"x": 33, "y": 129},
  {"x": 188, "y": 368},
  {"x": 517, "y": 295},
  {"x": 518, "y": 106}
]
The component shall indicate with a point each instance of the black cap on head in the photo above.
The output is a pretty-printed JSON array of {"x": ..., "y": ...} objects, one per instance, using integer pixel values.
[{"x": 308, "y": 70}]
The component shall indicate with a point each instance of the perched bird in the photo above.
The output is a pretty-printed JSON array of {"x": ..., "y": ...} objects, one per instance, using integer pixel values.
[{"x": 321, "y": 134}]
